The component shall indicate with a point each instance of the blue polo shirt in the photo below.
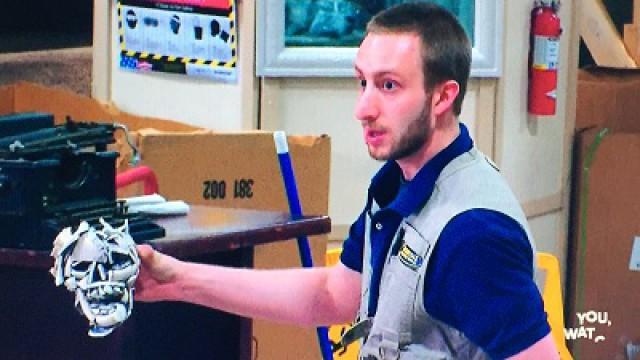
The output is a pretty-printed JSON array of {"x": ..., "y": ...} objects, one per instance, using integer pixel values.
[{"x": 479, "y": 279}]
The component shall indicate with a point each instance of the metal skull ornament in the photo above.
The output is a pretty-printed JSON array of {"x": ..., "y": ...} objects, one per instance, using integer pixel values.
[{"x": 100, "y": 267}]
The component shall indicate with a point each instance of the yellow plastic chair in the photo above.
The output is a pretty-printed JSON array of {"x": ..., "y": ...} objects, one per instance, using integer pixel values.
[
  {"x": 336, "y": 331},
  {"x": 552, "y": 296}
]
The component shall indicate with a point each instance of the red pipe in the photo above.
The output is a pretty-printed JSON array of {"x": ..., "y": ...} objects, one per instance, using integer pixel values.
[{"x": 136, "y": 174}]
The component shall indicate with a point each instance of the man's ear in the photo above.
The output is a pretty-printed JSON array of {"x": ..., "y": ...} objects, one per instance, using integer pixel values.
[{"x": 444, "y": 94}]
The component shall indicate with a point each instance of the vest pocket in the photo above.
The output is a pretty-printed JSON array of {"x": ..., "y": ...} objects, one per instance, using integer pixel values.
[
  {"x": 419, "y": 352},
  {"x": 396, "y": 307},
  {"x": 392, "y": 324}
]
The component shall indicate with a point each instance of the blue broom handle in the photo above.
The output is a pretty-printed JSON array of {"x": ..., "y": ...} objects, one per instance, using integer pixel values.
[{"x": 288, "y": 176}]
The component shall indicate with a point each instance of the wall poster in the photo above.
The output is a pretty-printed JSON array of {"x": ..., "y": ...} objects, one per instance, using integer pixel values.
[{"x": 192, "y": 37}]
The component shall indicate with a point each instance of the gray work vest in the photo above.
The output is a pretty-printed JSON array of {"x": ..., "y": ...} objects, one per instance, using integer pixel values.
[{"x": 401, "y": 328}]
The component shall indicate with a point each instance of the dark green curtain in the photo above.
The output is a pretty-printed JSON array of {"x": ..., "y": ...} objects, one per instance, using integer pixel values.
[{"x": 342, "y": 22}]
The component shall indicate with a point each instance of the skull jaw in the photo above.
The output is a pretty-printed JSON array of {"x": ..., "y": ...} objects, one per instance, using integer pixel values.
[
  {"x": 104, "y": 324},
  {"x": 104, "y": 313},
  {"x": 98, "y": 332}
]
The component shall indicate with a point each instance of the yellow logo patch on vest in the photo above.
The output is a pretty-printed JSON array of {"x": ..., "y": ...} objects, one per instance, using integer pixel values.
[{"x": 409, "y": 257}]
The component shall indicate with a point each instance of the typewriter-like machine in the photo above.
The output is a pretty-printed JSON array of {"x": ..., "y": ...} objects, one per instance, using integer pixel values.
[{"x": 55, "y": 176}]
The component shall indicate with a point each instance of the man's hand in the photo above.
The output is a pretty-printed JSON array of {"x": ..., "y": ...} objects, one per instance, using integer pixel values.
[
  {"x": 156, "y": 281},
  {"x": 309, "y": 297}
]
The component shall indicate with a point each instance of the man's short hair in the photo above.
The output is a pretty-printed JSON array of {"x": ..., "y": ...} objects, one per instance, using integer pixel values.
[{"x": 446, "y": 49}]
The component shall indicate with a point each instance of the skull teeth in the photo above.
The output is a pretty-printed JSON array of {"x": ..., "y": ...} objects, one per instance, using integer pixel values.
[{"x": 105, "y": 292}]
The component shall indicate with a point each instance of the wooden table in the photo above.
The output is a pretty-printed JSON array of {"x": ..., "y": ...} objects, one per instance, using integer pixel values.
[{"x": 39, "y": 321}]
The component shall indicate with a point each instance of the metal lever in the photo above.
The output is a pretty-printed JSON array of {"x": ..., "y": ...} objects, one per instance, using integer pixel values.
[
  {"x": 633, "y": 351},
  {"x": 135, "y": 156},
  {"x": 358, "y": 331}
]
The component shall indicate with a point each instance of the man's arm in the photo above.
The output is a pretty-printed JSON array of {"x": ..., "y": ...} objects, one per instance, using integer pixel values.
[
  {"x": 316, "y": 296},
  {"x": 545, "y": 348}
]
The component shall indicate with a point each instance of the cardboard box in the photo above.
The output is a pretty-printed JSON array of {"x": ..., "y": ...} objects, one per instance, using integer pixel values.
[
  {"x": 242, "y": 170},
  {"x": 218, "y": 169},
  {"x": 607, "y": 97},
  {"x": 236, "y": 169},
  {"x": 601, "y": 284}
]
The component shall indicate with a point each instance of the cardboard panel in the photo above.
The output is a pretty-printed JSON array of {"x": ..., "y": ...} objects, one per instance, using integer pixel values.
[
  {"x": 6, "y": 99},
  {"x": 608, "y": 97},
  {"x": 605, "y": 211},
  {"x": 236, "y": 169}
]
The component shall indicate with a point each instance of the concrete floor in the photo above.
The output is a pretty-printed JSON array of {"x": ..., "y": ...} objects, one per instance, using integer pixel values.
[
  {"x": 47, "y": 42},
  {"x": 65, "y": 68}
]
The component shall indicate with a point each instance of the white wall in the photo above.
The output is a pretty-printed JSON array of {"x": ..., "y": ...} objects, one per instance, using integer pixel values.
[
  {"x": 532, "y": 152},
  {"x": 325, "y": 106}
]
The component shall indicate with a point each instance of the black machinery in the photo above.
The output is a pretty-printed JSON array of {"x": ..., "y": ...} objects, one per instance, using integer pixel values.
[{"x": 52, "y": 177}]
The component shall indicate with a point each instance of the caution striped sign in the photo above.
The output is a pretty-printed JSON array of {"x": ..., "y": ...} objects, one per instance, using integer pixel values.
[{"x": 197, "y": 38}]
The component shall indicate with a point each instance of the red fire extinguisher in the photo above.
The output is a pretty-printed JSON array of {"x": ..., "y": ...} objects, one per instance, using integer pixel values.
[{"x": 543, "y": 57}]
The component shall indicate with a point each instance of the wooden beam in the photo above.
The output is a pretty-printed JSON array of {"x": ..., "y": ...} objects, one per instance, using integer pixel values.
[
  {"x": 101, "y": 67},
  {"x": 632, "y": 40},
  {"x": 601, "y": 37},
  {"x": 632, "y": 34}
]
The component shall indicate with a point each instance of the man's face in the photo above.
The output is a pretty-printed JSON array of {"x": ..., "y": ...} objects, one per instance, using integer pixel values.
[{"x": 392, "y": 106}]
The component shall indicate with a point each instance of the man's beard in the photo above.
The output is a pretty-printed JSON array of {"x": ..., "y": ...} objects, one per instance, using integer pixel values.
[{"x": 411, "y": 140}]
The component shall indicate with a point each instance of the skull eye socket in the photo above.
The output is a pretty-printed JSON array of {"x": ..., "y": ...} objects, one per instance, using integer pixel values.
[
  {"x": 112, "y": 240},
  {"x": 82, "y": 266},
  {"x": 80, "y": 269},
  {"x": 119, "y": 258}
]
